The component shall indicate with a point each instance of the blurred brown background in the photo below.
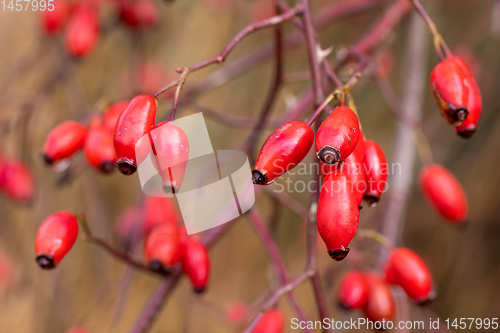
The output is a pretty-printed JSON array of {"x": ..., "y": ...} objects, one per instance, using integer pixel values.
[{"x": 86, "y": 289}]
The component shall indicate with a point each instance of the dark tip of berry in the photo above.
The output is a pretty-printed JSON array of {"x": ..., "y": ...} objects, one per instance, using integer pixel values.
[
  {"x": 126, "y": 167},
  {"x": 169, "y": 189},
  {"x": 344, "y": 306},
  {"x": 371, "y": 199},
  {"x": 466, "y": 133},
  {"x": 259, "y": 178},
  {"x": 107, "y": 167},
  {"x": 461, "y": 114},
  {"x": 360, "y": 207},
  {"x": 199, "y": 290},
  {"x": 47, "y": 159},
  {"x": 329, "y": 155},
  {"x": 339, "y": 255},
  {"x": 45, "y": 261},
  {"x": 157, "y": 266}
]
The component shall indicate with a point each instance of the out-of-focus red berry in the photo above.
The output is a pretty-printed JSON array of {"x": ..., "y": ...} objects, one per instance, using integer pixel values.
[
  {"x": 63, "y": 141},
  {"x": 17, "y": 181},
  {"x": 273, "y": 321},
  {"x": 82, "y": 31},
  {"x": 196, "y": 263},
  {"x": 53, "y": 21},
  {"x": 353, "y": 291},
  {"x": 138, "y": 14}
]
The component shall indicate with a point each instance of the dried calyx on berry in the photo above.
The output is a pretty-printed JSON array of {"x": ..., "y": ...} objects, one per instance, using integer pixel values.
[{"x": 337, "y": 136}]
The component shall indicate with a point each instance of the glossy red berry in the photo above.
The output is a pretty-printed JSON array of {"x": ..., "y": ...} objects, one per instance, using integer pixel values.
[
  {"x": 337, "y": 136},
  {"x": 137, "y": 120},
  {"x": 450, "y": 85},
  {"x": 338, "y": 214},
  {"x": 159, "y": 211},
  {"x": 283, "y": 150},
  {"x": 112, "y": 114},
  {"x": 138, "y": 14},
  {"x": 17, "y": 181},
  {"x": 55, "y": 238},
  {"x": 273, "y": 321},
  {"x": 172, "y": 153},
  {"x": 53, "y": 21},
  {"x": 406, "y": 269},
  {"x": 99, "y": 149},
  {"x": 375, "y": 166},
  {"x": 474, "y": 105},
  {"x": 82, "y": 31},
  {"x": 196, "y": 263},
  {"x": 63, "y": 141},
  {"x": 381, "y": 304},
  {"x": 444, "y": 193},
  {"x": 162, "y": 247},
  {"x": 353, "y": 291}
]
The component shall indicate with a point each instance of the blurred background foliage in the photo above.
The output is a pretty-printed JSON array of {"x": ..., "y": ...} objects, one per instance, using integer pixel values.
[{"x": 88, "y": 287}]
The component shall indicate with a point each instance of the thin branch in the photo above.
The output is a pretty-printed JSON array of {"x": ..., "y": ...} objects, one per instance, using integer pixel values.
[
  {"x": 276, "y": 296},
  {"x": 275, "y": 255},
  {"x": 404, "y": 149}
]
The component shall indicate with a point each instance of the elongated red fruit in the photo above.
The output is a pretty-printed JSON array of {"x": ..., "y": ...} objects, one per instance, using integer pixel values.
[
  {"x": 406, "y": 269},
  {"x": 196, "y": 263},
  {"x": 353, "y": 291},
  {"x": 112, "y": 114},
  {"x": 172, "y": 152},
  {"x": 162, "y": 247},
  {"x": 99, "y": 149},
  {"x": 381, "y": 304},
  {"x": 53, "y": 21},
  {"x": 55, "y": 238},
  {"x": 137, "y": 120},
  {"x": 444, "y": 193},
  {"x": 273, "y": 321},
  {"x": 159, "y": 211},
  {"x": 375, "y": 166},
  {"x": 354, "y": 168},
  {"x": 283, "y": 150},
  {"x": 138, "y": 14},
  {"x": 450, "y": 86},
  {"x": 82, "y": 31},
  {"x": 338, "y": 214},
  {"x": 63, "y": 141},
  {"x": 17, "y": 181},
  {"x": 474, "y": 105},
  {"x": 337, "y": 136}
]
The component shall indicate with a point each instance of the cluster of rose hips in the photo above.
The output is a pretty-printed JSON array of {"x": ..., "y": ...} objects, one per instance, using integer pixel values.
[
  {"x": 371, "y": 292},
  {"x": 352, "y": 168},
  {"x": 166, "y": 245},
  {"x": 80, "y": 21}
]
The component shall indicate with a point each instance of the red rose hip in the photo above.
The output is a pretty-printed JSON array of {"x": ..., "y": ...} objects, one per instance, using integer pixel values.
[
  {"x": 444, "y": 193},
  {"x": 63, "y": 141},
  {"x": 337, "y": 136},
  {"x": 99, "y": 149},
  {"x": 196, "y": 263},
  {"x": 450, "y": 85},
  {"x": 406, "y": 269},
  {"x": 338, "y": 214},
  {"x": 272, "y": 321},
  {"x": 82, "y": 31},
  {"x": 55, "y": 238},
  {"x": 17, "y": 181},
  {"x": 283, "y": 150},
  {"x": 353, "y": 291},
  {"x": 137, "y": 120},
  {"x": 162, "y": 247},
  {"x": 375, "y": 166},
  {"x": 381, "y": 304}
]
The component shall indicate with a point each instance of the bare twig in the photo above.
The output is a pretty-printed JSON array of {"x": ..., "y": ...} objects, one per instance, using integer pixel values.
[{"x": 404, "y": 150}]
